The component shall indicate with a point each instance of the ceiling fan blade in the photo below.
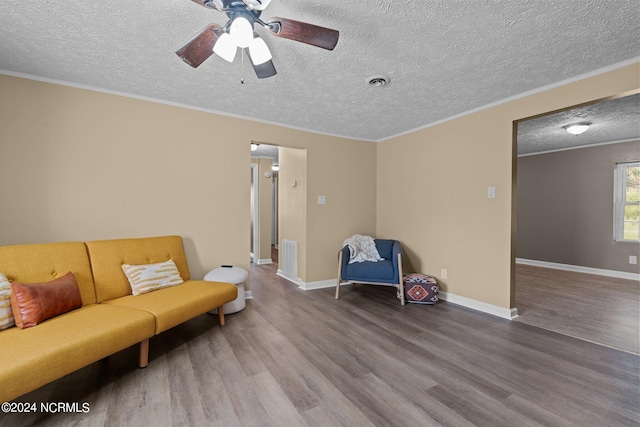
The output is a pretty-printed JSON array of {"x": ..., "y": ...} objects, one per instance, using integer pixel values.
[
  {"x": 314, "y": 35},
  {"x": 199, "y": 48},
  {"x": 264, "y": 70}
]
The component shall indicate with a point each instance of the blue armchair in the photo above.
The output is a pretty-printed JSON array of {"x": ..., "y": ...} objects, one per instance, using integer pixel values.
[{"x": 387, "y": 272}]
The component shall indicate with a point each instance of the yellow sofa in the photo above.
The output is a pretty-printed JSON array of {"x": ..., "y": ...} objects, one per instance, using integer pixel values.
[{"x": 110, "y": 319}]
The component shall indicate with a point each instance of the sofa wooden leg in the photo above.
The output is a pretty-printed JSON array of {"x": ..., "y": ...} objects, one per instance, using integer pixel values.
[
  {"x": 144, "y": 353},
  {"x": 221, "y": 315}
]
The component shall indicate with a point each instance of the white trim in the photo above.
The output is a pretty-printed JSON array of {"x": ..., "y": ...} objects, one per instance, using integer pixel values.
[
  {"x": 295, "y": 280},
  {"x": 255, "y": 177},
  {"x": 311, "y": 286},
  {"x": 505, "y": 313},
  {"x": 579, "y": 146},
  {"x": 579, "y": 269},
  {"x": 239, "y": 116},
  {"x": 321, "y": 284},
  {"x": 522, "y": 95},
  {"x": 264, "y": 261},
  {"x": 619, "y": 200},
  {"x": 248, "y": 295},
  {"x": 173, "y": 104},
  {"x": 494, "y": 310}
]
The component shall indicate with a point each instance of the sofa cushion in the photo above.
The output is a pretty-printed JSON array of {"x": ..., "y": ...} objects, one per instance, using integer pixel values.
[
  {"x": 36, "y": 302},
  {"x": 178, "y": 304},
  {"x": 108, "y": 255},
  {"x": 151, "y": 277},
  {"x": 66, "y": 343},
  {"x": 6, "y": 314},
  {"x": 381, "y": 271},
  {"x": 43, "y": 262}
]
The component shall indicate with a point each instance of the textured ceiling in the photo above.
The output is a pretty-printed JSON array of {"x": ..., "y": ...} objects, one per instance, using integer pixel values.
[
  {"x": 611, "y": 121},
  {"x": 443, "y": 57}
]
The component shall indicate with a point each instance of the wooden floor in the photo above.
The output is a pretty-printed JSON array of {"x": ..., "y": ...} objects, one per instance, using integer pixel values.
[
  {"x": 296, "y": 358},
  {"x": 600, "y": 309}
]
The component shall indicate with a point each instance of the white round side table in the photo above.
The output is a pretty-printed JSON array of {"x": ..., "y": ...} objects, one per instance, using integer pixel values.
[{"x": 233, "y": 275}]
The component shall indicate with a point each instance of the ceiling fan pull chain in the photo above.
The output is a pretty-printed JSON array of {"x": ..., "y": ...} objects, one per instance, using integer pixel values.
[{"x": 242, "y": 70}]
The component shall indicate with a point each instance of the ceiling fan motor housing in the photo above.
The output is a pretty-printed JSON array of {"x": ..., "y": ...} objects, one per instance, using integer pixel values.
[{"x": 249, "y": 5}]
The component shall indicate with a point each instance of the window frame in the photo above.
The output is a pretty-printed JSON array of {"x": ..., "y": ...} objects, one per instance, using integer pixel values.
[{"x": 619, "y": 200}]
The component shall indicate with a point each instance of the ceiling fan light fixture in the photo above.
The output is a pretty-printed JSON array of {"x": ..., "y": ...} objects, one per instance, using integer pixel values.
[
  {"x": 577, "y": 128},
  {"x": 256, "y": 4},
  {"x": 225, "y": 47},
  {"x": 241, "y": 31},
  {"x": 259, "y": 51}
]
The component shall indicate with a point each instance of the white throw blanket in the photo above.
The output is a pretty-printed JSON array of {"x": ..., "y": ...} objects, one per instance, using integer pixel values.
[{"x": 362, "y": 248}]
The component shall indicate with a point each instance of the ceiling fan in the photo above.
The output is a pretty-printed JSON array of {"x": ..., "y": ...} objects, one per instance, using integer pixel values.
[{"x": 239, "y": 32}]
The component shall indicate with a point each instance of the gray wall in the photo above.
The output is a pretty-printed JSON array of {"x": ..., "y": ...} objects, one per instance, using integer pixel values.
[{"x": 565, "y": 207}]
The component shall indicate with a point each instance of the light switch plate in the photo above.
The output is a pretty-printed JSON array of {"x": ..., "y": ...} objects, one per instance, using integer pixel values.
[
  {"x": 491, "y": 192},
  {"x": 322, "y": 200}
]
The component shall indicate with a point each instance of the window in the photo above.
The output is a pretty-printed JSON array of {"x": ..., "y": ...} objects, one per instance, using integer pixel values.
[{"x": 627, "y": 202}]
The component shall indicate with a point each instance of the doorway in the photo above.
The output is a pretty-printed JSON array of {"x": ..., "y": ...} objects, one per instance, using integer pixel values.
[
  {"x": 568, "y": 274},
  {"x": 264, "y": 211},
  {"x": 255, "y": 214}
]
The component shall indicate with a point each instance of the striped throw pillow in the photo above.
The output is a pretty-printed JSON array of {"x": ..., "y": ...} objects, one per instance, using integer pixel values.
[
  {"x": 6, "y": 315},
  {"x": 151, "y": 277}
]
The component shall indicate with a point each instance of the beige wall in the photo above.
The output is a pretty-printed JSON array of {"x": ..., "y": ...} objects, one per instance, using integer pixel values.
[
  {"x": 432, "y": 189},
  {"x": 82, "y": 165},
  {"x": 565, "y": 207},
  {"x": 346, "y": 175},
  {"x": 293, "y": 203}
]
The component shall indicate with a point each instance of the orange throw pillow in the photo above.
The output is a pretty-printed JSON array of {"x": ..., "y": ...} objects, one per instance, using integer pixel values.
[{"x": 36, "y": 302}]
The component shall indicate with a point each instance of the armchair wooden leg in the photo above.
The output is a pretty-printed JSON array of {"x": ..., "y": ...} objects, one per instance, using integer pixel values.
[
  {"x": 144, "y": 354},
  {"x": 401, "y": 279},
  {"x": 339, "y": 274}
]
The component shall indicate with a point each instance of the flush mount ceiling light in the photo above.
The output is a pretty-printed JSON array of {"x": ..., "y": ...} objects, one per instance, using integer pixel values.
[
  {"x": 378, "y": 81},
  {"x": 577, "y": 128},
  {"x": 254, "y": 147},
  {"x": 238, "y": 32}
]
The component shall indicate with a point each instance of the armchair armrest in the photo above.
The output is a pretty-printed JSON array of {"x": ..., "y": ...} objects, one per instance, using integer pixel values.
[{"x": 345, "y": 259}]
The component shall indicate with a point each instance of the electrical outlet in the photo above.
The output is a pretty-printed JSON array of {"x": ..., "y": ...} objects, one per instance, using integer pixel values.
[
  {"x": 633, "y": 259},
  {"x": 443, "y": 273}
]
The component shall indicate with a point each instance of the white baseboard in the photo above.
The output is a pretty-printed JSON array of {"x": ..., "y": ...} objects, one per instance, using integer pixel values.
[
  {"x": 295, "y": 280},
  {"x": 494, "y": 310},
  {"x": 321, "y": 284},
  {"x": 309, "y": 286},
  {"x": 579, "y": 269},
  {"x": 264, "y": 261}
]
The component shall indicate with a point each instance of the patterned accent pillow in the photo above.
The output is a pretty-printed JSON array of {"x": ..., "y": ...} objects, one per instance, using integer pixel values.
[
  {"x": 6, "y": 314},
  {"x": 151, "y": 277}
]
